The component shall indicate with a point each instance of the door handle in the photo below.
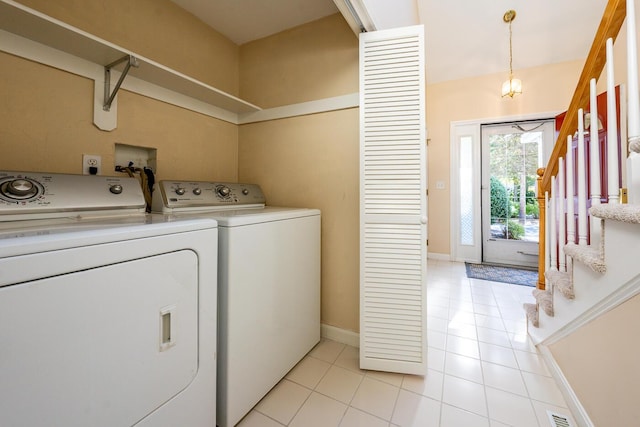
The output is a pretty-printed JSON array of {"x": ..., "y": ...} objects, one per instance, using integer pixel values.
[{"x": 527, "y": 253}]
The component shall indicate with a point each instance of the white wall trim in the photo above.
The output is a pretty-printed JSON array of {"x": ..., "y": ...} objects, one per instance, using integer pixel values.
[
  {"x": 343, "y": 336},
  {"x": 621, "y": 295},
  {"x": 507, "y": 119},
  {"x": 578, "y": 411},
  {"x": 438, "y": 256},
  {"x": 335, "y": 103}
]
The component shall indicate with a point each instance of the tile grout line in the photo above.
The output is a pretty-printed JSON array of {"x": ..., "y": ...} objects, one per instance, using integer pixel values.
[
  {"x": 363, "y": 374},
  {"x": 329, "y": 397},
  {"x": 484, "y": 383},
  {"x": 520, "y": 372},
  {"x": 356, "y": 390}
]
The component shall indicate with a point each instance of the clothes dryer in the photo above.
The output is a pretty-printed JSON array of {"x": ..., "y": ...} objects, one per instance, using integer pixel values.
[{"x": 107, "y": 315}]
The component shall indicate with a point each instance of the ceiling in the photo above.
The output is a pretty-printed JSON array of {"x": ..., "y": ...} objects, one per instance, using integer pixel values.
[{"x": 464, "y": 38}]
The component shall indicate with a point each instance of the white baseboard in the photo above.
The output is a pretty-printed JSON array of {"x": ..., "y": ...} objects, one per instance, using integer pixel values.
[
  {"x": 343, "y": 336},
  {"x": 438, "y": 257},
  {"x": 577, "y": 410}
]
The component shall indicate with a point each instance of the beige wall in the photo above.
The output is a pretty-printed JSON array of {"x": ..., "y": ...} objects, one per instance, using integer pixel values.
[
  {"x": 310, "y": 62},
  {"x": 47, "y": 114},
  {"x": 600, "y": 361},
  {"x": 310, "y": 161},
  {"x": 545, "y": 90}
]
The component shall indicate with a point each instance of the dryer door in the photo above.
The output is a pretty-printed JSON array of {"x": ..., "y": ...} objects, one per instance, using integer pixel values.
[{"x": 100, "y": 347}]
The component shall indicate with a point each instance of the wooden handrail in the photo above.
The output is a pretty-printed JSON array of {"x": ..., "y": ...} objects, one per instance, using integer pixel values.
[
  {"x": 610, "y": 25},
  {"x": 612, "y": 19},
  {"x": 542, "y": 238}
]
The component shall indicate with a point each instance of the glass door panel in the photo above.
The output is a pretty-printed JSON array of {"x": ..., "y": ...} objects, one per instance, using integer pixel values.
[{"x": 511, "y": 156}]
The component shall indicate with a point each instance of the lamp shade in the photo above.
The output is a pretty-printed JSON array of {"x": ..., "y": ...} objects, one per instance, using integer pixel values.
[{"x": 511, "y": 87}]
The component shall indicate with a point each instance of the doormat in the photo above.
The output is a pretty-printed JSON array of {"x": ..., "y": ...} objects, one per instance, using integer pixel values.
[{"x": 516, "y": 276}]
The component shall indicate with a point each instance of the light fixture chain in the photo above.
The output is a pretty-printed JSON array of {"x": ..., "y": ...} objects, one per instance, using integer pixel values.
[{"x": 510, "y": 51}]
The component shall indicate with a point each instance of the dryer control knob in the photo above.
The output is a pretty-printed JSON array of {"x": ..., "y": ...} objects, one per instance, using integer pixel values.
[
  {"x": 116, "y": 188},
  {"x": 197, "y": 191},
  {"x": 21, "y": 187},
  {"x": 245, "y": 191},
  {"x": 180, "y": 191},
  {"x": 223, "y": 191}
]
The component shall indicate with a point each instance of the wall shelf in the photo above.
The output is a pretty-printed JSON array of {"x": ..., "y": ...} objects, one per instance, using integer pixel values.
[{"x": 34, "y": 26}]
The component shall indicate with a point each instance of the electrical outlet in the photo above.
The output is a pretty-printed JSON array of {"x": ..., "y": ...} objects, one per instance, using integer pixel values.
[{"x": 91, "y": 164}]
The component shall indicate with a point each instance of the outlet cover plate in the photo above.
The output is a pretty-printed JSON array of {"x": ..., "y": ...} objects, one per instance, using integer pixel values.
[{"x": 89, "y": 160}]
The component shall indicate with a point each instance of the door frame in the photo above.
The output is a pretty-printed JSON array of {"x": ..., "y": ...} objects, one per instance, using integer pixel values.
[
  {"x": 472, "y": 253},
  {"x": 506, "y": 251}
]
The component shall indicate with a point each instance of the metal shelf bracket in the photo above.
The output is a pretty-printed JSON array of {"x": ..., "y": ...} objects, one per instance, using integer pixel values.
[{"x": 132, "y": 61}]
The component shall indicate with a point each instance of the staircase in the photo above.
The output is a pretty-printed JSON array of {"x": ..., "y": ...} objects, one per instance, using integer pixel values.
[{"x": 584, "y": 272}]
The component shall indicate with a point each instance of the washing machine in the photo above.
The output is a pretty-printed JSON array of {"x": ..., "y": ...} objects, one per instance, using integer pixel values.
[
  {"x": 107, "y": 314},
  {"x": 268, "y": 285}
]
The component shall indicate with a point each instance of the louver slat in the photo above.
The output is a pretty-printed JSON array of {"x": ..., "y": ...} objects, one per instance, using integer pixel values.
[{"x": 393, "y": 201}]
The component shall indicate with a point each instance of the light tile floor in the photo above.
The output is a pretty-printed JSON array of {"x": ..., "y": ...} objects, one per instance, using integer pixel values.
[{"x": 483, "y": 370}]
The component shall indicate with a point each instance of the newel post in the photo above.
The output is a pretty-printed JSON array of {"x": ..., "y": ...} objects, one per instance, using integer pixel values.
[{"x": 542, "y": 234}]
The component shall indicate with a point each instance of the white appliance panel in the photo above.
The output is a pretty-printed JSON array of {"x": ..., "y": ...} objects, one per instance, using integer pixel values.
[
  {"x": 80, "y": 323},
  {"x": 241, "y": 217},
  {"x": 269, "y": 293},
  {"x": 30, "y": 195},
  {"x": 89, "y": 347}
]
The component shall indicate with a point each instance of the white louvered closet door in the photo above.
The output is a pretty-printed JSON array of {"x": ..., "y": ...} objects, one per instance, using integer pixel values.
[{"x": 393, "y": 215}]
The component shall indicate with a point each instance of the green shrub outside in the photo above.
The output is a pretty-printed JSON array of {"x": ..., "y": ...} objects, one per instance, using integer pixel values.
[
  {"x": 513, "y": 230},
  {"x": 500, "y": 205}
]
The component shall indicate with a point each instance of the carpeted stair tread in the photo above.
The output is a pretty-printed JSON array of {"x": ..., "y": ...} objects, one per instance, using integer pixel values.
[
  {"x": 532, "y": 313},
  {"x": 619, "y": 212},
  {"x": 561, "y": 281},
  {"x": 588, "y": 255},
  {"x": 544, "y": 300}
]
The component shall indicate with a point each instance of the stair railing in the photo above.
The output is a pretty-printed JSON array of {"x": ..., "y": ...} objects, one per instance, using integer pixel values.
[{"x": 610, "y": 24}]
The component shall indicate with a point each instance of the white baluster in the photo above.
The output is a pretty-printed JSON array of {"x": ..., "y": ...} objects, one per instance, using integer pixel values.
[
  {"x": 547, "y": 220},
  {"x": 562, "y": 259},
  {"x": 571, "y": 222},
  {"x": 594, "y": 169},
  {"x": 613, "y": 185},
  {"x": 553, "y": 242},
  {"x": 582, "y": 185},
  {"x": 632, "y": 72},
  {"x": 633, "y": 102},
  {"x": 594, "y": 146}
]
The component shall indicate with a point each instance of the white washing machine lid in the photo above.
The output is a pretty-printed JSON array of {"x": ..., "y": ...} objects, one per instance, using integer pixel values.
[{"x": 241, "y": 217}]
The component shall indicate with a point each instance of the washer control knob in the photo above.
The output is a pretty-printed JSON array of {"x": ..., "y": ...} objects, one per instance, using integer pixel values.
[
  {"x": 180, "y": 191},
  {"x": 116, "y": 188},
  {"x": 197, "y": 191},
  {"x": 21, "y": 187},
  {"x": 245, "y": 191},
  {"x": 223, "y": 191}
]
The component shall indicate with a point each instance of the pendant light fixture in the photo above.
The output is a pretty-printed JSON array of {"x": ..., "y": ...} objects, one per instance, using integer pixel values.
[{"x": 512, "y": 86}]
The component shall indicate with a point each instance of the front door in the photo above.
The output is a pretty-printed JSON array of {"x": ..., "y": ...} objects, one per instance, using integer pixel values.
[{"x": 511, "y": 155}]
